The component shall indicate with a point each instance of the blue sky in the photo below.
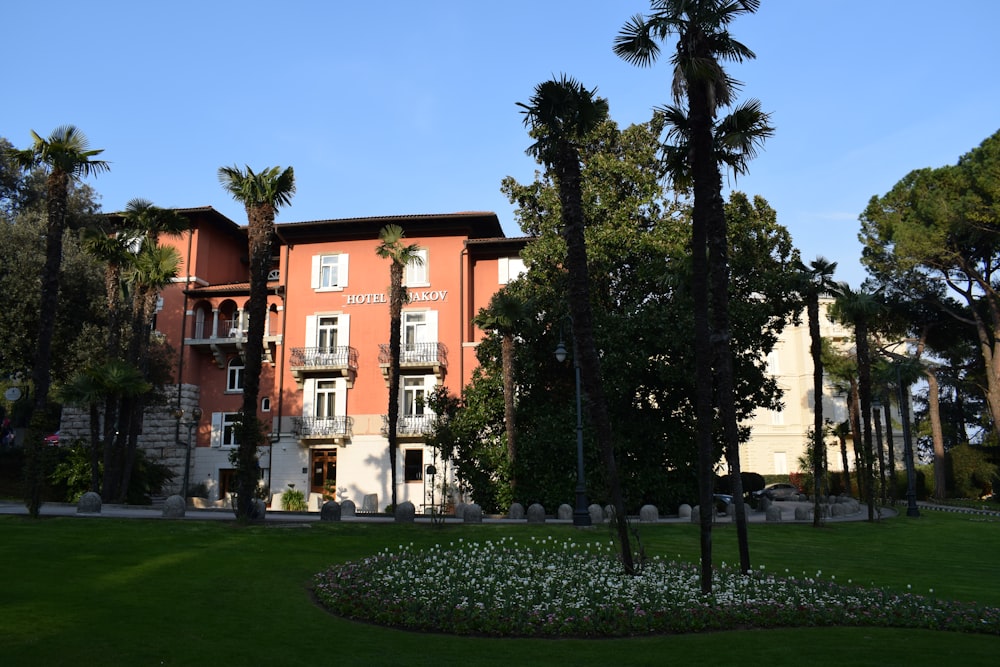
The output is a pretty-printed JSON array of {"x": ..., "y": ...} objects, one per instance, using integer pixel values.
[{"x": 410, "y": 107}]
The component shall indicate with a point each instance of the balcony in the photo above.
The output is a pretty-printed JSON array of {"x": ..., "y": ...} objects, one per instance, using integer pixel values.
[
  {"x": 342, "y": 361},
  {"x": 410, "y": 426},
  {"x": 323, "y": 429},
  {"x": 230, "y": 338},
  {"x": 415, "y": 357}
]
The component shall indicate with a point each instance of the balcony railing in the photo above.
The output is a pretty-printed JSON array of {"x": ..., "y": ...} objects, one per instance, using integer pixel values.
[
  {"x": 432, "y": 356},
  {"x": 306, "y": 360},
  {"x": 410, "y": 425},
  {"x": 323, "y": 427}
]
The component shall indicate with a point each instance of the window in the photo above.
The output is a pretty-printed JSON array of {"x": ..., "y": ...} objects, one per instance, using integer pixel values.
[
  {"x": 413, "y": 465},
  {"x": 414, "y": 330},
  {"x": 780, "y": 463},
  {"x": 416, "y": 271},
  {"x": 265, "y": 404},
  {"x": 234, "y": 375},
  {"x": 509, "y": 269},
  {"x": 414, "y": 396},
  {"x": 329, "y": 272},
  {"x": 224, "y": 429},
  {"x": 326, "y": 399},
  {"x": 326, "y": 334}
]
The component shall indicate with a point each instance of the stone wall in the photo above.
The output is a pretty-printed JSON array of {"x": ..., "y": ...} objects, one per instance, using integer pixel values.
[{"x": 163, "y": 438}]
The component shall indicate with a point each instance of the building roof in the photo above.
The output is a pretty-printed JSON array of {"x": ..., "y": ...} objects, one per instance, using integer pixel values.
[{"x": 475, "y": 225}]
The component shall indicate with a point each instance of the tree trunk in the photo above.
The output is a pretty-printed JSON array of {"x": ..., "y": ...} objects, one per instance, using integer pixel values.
[
  {"x": 570, "y": 198},
  {"x": 507, "y": 364},
  {"x": 816, "y": 352},
  {"x": 890, "y": 445},
  {"x": 395, "y": 324},
  {"x": 704, "y": 171},
  {"x": 260, "y": 232},
  {"x": 937, "y": 435},
  {"x": 57, "y": 192},
  {"x": 718, "y": 260},
  {"x": 865, "y": 395}
]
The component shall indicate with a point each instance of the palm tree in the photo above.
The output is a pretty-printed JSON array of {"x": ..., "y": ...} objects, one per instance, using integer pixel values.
[
  {"x": 66, "y": 158},
  {"x": 561, "y": 113},
  {"x": 701, "y": 143},
  {"x": 392, "y": 248},
  {"x": 816, "y": 280},
  {"x": 261, "y": 195},
  {"x": 504, "y": 315},
  {"x": 153, "y": 268},
  {"x": 112, "y": 380},
  {"x": 859, "y": 308}
]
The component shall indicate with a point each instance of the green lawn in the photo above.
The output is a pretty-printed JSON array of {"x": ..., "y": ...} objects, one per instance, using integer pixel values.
[{"x": 87, "y": 591}]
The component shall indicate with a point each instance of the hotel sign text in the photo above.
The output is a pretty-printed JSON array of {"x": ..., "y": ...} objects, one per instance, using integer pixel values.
[{"x": 414, "y": 297}]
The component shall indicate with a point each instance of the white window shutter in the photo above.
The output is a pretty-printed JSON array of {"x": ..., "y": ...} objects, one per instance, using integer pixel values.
[
  {"x": 432, "y": 325},
  {"x": 217, "y": 429},
  {"x": 342, "y": 270},
  {"x": 314, "y": 276},
  {"x": 504, "y": 270},
  {"x": 340, "y": 398},
  {"x": 310, "y": 331},
  {"x": 308, "y": 397},
  {"x": 344, "y": 328}
]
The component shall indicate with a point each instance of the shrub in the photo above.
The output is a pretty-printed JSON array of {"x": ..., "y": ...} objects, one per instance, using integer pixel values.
[
  {"x": 293, "y": 500},
  {"x": 970, "y": 474}
]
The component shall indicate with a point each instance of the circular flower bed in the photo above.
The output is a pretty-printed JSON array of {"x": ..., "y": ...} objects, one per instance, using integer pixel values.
[{"x": 551, "y": 588}]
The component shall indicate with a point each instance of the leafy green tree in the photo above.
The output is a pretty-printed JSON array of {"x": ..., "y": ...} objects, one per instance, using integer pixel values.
[
  {"x": 700, "y": 144},
  {"x": 391, "y": 247},
  {"x": 638, "y": 240},
  {"x": 941, "y": 226},
  {"x": 561, "y": 113},
  {"x": 261, "y": 194},
  {"x": 817, "y": 279}
]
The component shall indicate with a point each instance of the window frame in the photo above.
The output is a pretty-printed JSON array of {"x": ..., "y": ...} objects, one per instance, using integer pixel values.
[{"x": 235, "y": 370}]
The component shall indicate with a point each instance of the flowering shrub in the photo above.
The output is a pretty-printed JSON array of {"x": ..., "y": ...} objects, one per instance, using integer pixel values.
[{"x": 551, "y": 588}]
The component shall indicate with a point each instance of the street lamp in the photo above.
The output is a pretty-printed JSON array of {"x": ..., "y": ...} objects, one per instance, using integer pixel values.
[
  {"x": 191, "y": 422},
  {"x": 581, "y": 516}
]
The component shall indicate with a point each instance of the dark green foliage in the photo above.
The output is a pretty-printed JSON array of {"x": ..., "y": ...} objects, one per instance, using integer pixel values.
[
  {"x": 637, "y": 251},
  {"x": 970, "y": 474}
]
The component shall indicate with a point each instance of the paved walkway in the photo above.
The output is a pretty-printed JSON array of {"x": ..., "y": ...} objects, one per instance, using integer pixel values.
[{"x": 277, "y": 516}]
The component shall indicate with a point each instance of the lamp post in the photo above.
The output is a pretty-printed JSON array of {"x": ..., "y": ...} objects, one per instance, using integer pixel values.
[
  {"x": 191, "y": 422},
  {"x": 581, "y": 516}
]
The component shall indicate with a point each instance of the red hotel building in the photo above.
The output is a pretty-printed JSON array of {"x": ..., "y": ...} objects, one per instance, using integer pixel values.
[{"x": 324, "y": 387}]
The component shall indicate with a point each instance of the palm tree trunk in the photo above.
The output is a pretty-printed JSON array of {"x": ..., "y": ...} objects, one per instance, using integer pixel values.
[
  {"x": 816, "y": 351},
  {"x": 705, "y": 185},
  {"x": 395, "y": 324},
  {"x": 718, "y": 259},
  {"x": 260, "y": 232},
  {"x": 567, "y": 169}
]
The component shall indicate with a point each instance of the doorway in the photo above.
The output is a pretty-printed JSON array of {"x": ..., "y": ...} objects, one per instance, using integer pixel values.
[{"x": 324, "y": 473}]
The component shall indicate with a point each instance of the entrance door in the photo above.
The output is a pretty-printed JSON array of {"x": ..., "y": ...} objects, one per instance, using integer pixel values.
[{"x": 324, "y": 472}]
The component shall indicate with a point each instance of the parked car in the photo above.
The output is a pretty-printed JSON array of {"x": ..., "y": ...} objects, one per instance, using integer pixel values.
[
  {"x": 52, "y": 439},
  {"x": 778, "y": 491},
  {"x": 722, "y": 501}
]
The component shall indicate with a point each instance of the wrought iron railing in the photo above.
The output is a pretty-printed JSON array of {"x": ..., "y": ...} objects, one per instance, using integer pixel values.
[
  {"x": 410, "y": 424},
  {"x": 431, "y": 354},
  {"x": 342, "y": 356},
  {"x": 323, "y": 426}
]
